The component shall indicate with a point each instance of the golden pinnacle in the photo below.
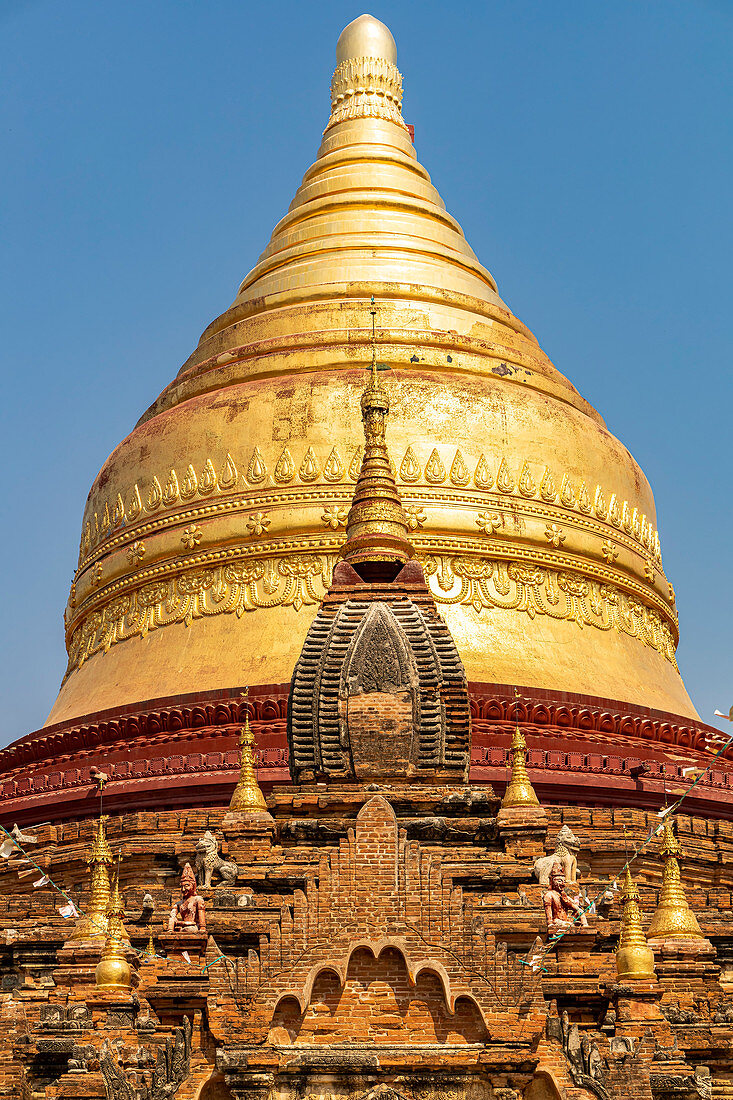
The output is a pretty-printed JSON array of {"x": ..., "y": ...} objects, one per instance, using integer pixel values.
[
  {"x": 520, "y": 791},
  {"x": 376, "y": 528},
  {"x": 149, "y": 952},
  {"x": 247, "y": 796},
  {"x": 634, "y": 957},
  {"x": 93, "y": 922},
  {"x": 113, "y": 970},
  {"x": 673, "y": 919}
]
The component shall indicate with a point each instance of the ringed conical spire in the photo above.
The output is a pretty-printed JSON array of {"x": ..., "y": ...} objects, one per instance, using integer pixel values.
[
  {"x": 634, "y": 957},
  {"x": 673, "y": 919},
  {"x": 519, "y": 791},
  {"x": 376, "y": 528}
]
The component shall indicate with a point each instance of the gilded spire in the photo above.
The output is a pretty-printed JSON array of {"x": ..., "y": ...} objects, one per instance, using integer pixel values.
[
  {"x": 113, "y": 969},
  {"x": 149, "y": 951},
  {"x": 673, "y": 919},
  {"x": 247, "y": 796},
  {"x": 367, "y": 82},
  {"x": 376, "y": 529},
  {"x": 634, "y": 957},
  {"x": 94, "y": 920},
  {"x": 520, "y": 791}
]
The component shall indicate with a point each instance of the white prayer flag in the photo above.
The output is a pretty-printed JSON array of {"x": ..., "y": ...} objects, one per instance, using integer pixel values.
[
  {"x": 42, "y": 881},
  {"x": 68, "y": 910},
  {"x": 7, "y": 847},
  {"x": 719, "y": 714},
  {"x": 664, "y": 812},
  {"x": 186, "y": 956},
  {"x": 691, "y": 771}
]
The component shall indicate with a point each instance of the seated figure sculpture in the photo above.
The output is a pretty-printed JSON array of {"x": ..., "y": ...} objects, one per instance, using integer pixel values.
[
  {"x": 560, "y": 909},
  {"x": 188, "y": 914}
]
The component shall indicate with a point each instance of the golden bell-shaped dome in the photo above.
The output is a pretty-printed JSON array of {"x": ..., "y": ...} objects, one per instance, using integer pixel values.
[{"x": 211, "y": 533}]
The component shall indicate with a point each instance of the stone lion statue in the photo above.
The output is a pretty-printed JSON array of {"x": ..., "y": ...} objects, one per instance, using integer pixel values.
[
  {"x": 208, "y": 860},
  {"x": 566, "y": 847}
]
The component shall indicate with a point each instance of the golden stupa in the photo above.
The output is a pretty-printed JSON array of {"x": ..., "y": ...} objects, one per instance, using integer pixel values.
[{"x": 211, "y": 532}]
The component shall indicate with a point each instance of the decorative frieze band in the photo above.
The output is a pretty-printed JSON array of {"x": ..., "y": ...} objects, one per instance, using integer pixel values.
[
  {"x": 533, "y": 481},
  {"x": 239, "y": 586}
]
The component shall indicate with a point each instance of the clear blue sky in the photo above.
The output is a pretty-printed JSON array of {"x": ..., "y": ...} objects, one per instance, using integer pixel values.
[{"x": 148, "y": 147}]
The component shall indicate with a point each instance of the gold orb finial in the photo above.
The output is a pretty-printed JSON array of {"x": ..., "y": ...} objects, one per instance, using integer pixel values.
[
  {"x": 366, "y": 83},
  {"x": 366, "y": 37},
  {"x": 634, "y": 957}
]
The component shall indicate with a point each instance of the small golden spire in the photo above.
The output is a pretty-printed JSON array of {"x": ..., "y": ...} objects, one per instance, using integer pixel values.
[
  {"x": 94, "y": 920},
  {"x": 520, "y": 791},
  {"x": 247, "y": 797},
  {"x": 673, "y": 919},
  {"x": 113, "y": 969},
  {"x": 149, "y": 952},
  {"x": 634, "y": 957},
  {"x": 376, "y": 528}
]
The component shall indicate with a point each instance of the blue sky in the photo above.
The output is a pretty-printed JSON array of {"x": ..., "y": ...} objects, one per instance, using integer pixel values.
[{"x": 150, "y": 146}]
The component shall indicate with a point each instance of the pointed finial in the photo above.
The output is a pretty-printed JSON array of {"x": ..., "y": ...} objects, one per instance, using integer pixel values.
[
  {"x": 376, "y": 528},
  {"x": 366, "y": 83},
  {"x": 149, "y": 952},
  {"x": 93, "y": 921},
  {"x": 634, "y": 957},
  {"x": 113, "y": 970},
  {"x": 673, "y": 919},
  {"x": 520, "y": 791},
  {"x": 100, "y": 851},
  {"x": 247, "y": 796}
]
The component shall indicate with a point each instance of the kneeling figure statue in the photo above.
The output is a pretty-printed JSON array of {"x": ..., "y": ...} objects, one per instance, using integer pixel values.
[{"x": 560, "y": 909}]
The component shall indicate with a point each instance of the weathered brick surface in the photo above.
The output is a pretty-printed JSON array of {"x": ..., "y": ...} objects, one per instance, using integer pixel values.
[{"x": 372, "y": 929}]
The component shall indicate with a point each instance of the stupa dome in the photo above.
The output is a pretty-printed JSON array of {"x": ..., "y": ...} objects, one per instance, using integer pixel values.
[{"x": 210, "y": 535}]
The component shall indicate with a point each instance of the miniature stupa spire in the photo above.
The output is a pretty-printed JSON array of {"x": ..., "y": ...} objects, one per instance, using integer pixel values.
[
  {"x": 247, "y": 796},
  {"x": 376, "y": 528},
  {"x": 113, "y": 970},
  {"x": 673, "y": 919},
  {"x": 520, "y": 791},
  {"x": 634, "y": 956},
  {"x": 149, "y": 951},
  {"x": 94, "y": 919}
]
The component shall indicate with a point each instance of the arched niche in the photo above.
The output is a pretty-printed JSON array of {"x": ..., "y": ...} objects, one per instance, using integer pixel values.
[
  {"x": 542, "y": 1087},
  {"x": 215, "y": 1088},
  {"x": 379, "y": 698}
]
